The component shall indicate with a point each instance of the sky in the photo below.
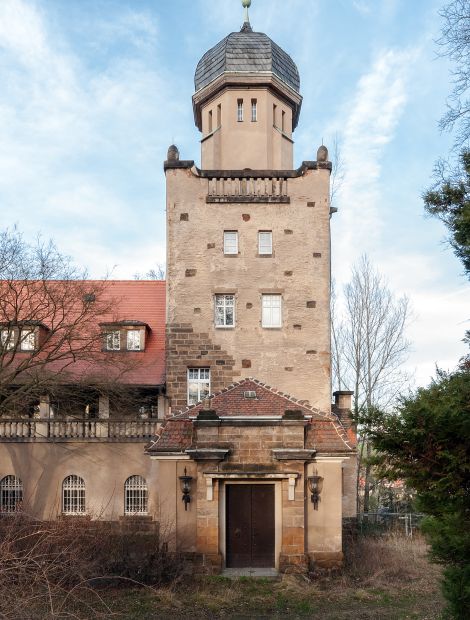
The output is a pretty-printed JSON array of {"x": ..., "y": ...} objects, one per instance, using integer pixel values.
[{"x": 94, "y": 91}]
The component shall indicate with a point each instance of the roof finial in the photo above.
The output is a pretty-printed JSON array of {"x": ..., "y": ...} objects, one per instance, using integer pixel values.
[{"x": 246, "y": 4}]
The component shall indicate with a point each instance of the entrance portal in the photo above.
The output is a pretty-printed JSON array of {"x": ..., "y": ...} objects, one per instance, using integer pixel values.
[{"x": 250, "y": 525}]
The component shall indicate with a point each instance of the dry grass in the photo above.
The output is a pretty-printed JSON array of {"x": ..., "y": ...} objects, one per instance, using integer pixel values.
[{"x": 58, "y": 571}]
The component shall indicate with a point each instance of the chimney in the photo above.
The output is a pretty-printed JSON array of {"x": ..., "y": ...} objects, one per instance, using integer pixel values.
[{"x": 343, "y": 399}]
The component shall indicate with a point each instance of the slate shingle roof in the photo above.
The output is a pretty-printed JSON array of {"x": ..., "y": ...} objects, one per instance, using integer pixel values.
[{"x": 246, "y": 51}]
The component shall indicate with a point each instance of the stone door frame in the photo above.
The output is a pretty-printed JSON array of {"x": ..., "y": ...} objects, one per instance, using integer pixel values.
[{"x": 277, "y": 515}]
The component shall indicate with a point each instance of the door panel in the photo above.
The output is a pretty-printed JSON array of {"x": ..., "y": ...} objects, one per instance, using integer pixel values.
[
  {"x": 250, "y": 525},
  {"x": 262, "y": 525}
]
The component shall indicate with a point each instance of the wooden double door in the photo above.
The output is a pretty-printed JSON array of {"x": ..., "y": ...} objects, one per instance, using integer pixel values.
[{"x": 250, "y": 532}]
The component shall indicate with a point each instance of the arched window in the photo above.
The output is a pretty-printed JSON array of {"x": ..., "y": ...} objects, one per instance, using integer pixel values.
[
  {"x": 11, "y": 494},
  {"x": 135, "y": 496},
  {"x": 73, "y": 495}
]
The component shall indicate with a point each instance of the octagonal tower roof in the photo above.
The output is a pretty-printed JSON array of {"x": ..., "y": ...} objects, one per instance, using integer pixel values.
[{"x": 246, "y": 52}]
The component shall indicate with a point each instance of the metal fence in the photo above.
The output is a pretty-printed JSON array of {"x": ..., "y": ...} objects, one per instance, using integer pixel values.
[{"x": 383, "y": 521}]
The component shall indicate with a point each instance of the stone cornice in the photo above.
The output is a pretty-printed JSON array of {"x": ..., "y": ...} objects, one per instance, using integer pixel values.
[{"x": 237, "y": 81}]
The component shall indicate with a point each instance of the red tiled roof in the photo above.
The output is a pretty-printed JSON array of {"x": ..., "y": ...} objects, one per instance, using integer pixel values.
[
  {"x": 324, "y": 431},
  {"x": 142, "y": 300},
  {"x": 130, "y": 300}
]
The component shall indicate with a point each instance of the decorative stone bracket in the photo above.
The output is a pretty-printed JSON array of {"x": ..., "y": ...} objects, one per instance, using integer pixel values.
[
  {"x": 207, "y": 454},
  {"x": 211, "y": 476}
]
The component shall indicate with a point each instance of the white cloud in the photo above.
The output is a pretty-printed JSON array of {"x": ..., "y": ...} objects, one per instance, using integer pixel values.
[
  {"x": 65, "y": 128},
  {"x": 369, "y": 119}
]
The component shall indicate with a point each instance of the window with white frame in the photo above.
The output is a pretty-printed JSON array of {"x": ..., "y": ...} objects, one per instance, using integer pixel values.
[
  {"x": 254, "y": 110},
  {"x": 230, "y": 242},
  {"x": 113, "y": 340},
  {"x": 28, "y": 340},
  {"x": 199, "y": 384},
  {"x": 7, "y": 339},
  {"x": 135, "y": 496},
  {"x": 265, "y": 242},
  {"x": 271, "y": 311},
  {"x": 11, "y": 494},
  {"x": 240, "y": 110},
  {"x": 73, "y": 495},
  {"x": 225, "y": 310},
  {"x": 133, "y": 340}
]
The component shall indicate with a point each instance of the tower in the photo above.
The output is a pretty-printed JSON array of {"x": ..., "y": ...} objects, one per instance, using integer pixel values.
[{"x": 248, "y": 235}]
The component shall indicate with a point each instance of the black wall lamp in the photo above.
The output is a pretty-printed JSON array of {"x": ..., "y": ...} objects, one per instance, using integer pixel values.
[
  {"x": 185, "y": 482},
  {"x": 315, "y": 485}
]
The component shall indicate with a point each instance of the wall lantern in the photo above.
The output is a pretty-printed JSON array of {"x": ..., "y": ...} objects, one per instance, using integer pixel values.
[
  {"x": 185, "y": 482},
  {"x": 315, "y": 485}
]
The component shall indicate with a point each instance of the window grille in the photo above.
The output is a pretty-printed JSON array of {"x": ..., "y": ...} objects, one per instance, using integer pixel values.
[
  {"x": 135, "y": 496},
  {"x": 240, "y": 110},
  {"x": 113, "y": 341},
  {"x": 73, "y": 495},
  {"x": 28, "y": 340},
  {"x": 225, "y": 310},
  {"x": 254, "y": 110},
  {"x": 230, "y": 242},
  {"x": 133, "y": 340},
  {"x": 199, "y": 384},
  {"x": 265, "y": 242},
  {"x": 272, "y": 312},
  {"x": 11, "y": 494}
]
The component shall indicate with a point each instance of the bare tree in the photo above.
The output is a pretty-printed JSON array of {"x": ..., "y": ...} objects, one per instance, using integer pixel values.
[
  {"x": 455, "y": 44},
  {"x": 370, "y": 347},
  {"x": 50, "y": 331},
  {"x": 157, "y": 273},
  {"x": 338, "y": 172}
]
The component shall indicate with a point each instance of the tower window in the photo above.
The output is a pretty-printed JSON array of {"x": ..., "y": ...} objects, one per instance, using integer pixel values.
[
  {"x": 254, "y": 110},
  {"x": 240, "y": 110},
  {"x": 265, "y": 242},
  {"x": 210, "y": 121},
  {"x": 271, "y": 311},
  {"x": 230, "y": 242},
  {"x": 219, "y": 115},
  {"x": 283, "y": 121},
  {"x": 225, "y": 310},
  {"x": 199, "y": 384},
  {"x": 274, "y": 115}
]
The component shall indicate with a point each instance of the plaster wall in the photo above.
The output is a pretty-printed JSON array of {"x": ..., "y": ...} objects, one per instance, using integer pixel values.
[
  {"x": 264, "y": 144},
  {"x": 104, "y": 467},
  {"x": 294, "y": 358}
]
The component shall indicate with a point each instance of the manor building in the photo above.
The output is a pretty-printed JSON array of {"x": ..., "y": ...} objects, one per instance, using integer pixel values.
[{"x": 241, "y": 453}]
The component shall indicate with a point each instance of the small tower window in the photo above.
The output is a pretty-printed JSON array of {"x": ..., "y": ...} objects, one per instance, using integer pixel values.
[
  {"x": 254, "y": 110},
  {"x": 210, "y": 121},
  {"x": 274, "y": 115},
  {"x": 230, "y": 242},
  {"x": 265, "y": 242},
  {"x": 219, "y": 115},
  {"x": 283, "y": 121},
  {"x": 240, "y": 110}
]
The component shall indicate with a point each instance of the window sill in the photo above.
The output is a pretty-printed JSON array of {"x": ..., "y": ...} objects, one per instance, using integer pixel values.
[
  {"x": 277, "y": 327},
  {"x": 265, "y": 255},
  {"x": 231, "y": 255},
  {"x": 224, "y": 326}
]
